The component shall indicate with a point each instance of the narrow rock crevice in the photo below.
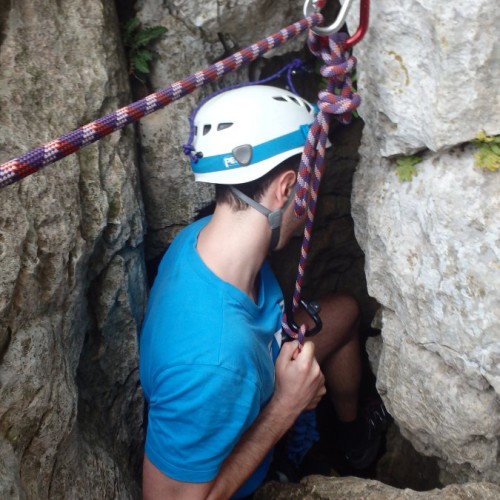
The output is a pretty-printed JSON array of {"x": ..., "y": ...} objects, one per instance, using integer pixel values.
[{"x": 5, "y": 8}]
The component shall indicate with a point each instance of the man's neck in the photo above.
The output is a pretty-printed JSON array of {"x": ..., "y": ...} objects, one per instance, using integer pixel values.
[{"x": 234, "y": 245}]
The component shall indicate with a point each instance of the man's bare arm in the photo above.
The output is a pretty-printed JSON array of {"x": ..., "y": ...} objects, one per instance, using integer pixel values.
[
  {"x": 299, "y": 386},
  {"x": 158, "y": 486}
]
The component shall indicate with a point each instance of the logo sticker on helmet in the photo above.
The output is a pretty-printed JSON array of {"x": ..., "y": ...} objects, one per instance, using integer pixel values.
[{"x": 229, "y": 161}]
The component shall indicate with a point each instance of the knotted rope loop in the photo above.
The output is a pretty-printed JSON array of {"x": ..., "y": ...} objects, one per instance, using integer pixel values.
[
  {"x": 188, "y": 150},
  {"x": 338, "y": 105},
  {"x": 338, "y": 100}
]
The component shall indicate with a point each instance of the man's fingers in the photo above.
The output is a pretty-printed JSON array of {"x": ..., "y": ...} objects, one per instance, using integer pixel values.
[
  {"x": 292, "y": 349},
  {"x": 307, "y": 352},
  {"x": 288, "y": 349},
  {"x": 299, "y": 363}
]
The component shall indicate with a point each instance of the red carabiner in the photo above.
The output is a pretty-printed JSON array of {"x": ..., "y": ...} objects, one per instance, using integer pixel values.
[
  {"x": 364, "y": 19},
  {"x": 364, "y": 15}
]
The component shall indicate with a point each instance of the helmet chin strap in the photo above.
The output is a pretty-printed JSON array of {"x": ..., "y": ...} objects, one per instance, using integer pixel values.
[{"x": 273, "y": 217}]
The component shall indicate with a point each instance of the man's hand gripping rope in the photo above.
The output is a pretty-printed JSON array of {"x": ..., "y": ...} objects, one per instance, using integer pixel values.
[{"x": 297, "y": 363}]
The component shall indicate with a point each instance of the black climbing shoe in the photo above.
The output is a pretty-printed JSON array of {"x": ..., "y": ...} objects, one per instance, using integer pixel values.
[
  {"x": 374, "y": 424},
  {"x": 363, "y": 455}
]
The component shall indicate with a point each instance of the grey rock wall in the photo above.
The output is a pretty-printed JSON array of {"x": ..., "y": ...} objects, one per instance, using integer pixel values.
[
  {"x": 429, "y": 75},
  {"x": 337, "y": 488},
  {"x": 72, "y": 284},
  {"x": 431, "y": 72},
  {"x": 72, "y": 287},
  {"x": 171, "y": 198}
]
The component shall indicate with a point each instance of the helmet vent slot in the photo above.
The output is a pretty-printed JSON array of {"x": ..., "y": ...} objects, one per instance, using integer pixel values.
[
  {"x": 223, "y": 126},
  {"x": 206, "y": 129},
  {"x": 279, "y": 98},
  {"x": 294, "y": 100}
]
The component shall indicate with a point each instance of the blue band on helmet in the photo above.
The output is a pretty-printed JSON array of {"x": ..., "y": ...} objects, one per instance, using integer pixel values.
[{"x": 261, "y": 152}]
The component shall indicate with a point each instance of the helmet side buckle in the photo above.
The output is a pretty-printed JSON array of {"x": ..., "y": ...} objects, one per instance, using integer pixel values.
[{"x": 243, "y": 154}]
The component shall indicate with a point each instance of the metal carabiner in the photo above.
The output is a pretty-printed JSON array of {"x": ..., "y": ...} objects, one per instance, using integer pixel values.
[
  {"x": 364, "y": 16},
  {"x": 312, "y": 308}
]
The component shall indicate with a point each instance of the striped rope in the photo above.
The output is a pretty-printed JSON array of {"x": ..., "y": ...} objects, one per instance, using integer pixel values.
[
  {"x": 339, "y": 100},
  {"x": 29, "y": 163}
]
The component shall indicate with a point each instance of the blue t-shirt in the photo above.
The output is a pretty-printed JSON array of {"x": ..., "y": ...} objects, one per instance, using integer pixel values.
[{"x": 206, "y": 363}]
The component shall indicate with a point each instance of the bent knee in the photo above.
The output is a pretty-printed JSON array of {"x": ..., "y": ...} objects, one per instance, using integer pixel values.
[
  {"x": 343, "y": 302},
  {"x": 341, "y": 311}
]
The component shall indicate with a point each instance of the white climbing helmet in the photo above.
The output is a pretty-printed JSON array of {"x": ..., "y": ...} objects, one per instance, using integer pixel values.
[{"x": 243, "y": 133}]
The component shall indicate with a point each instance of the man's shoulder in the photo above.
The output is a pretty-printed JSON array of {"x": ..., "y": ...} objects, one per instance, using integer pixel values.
[
  {"x": 180, "y": 259},
  {"x": 186, "y": 236}
]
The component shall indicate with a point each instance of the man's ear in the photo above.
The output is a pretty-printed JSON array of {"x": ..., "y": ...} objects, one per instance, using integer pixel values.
[{"x": 285, "y": 184}]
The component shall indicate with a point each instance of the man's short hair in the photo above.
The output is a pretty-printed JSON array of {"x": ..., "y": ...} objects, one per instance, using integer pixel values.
[{"x": 256, "y": 188}]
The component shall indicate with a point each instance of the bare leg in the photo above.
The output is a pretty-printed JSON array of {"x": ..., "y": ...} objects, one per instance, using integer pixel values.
[{"x": 338, "y": 352}]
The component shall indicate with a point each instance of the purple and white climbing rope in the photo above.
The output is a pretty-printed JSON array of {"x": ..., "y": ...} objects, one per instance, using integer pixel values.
[
  {"x": 339, "y": 100},
  {"x": 32, "y": 161}
]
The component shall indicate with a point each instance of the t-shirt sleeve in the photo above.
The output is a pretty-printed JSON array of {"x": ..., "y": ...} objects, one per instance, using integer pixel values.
[{"x": 196, "y": 416}]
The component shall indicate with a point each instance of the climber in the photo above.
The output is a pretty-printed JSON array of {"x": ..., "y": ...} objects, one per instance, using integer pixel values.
[{"x": 217, "y": 402}]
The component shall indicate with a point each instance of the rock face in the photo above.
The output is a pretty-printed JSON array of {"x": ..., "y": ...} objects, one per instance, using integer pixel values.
[
  {"x": 432, "y": 244},
  {"x": 428, "y": 73},
  {"x": 171, "y": 199},
  {"x": 72, "y": 281},
  {"x": 72, "y": 287},
  {"x": 333, "y": 488}
]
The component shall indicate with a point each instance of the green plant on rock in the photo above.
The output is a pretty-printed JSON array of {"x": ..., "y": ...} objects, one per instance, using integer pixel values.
[
  {"x": 405, "y": 168},
  {"x": 138, "y": 43},
  {"x": 488, "y": 154}
]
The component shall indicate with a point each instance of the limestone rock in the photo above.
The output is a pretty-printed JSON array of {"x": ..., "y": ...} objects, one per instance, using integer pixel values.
[
  {"x": 402, "y": 466},
  {"x": 431, "y": 245},
  {"x": 172, "y": 198},
  {"x": 63, "y": 231},
  {"x": 229, "y": 18},
  {"x": 459, "y": 423},
  {"x": 432, "y": 260},
  {"x": 333, "y": 488},
  {"x": 72, "y": 287},
  {"x": 429, "y": 72}
]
